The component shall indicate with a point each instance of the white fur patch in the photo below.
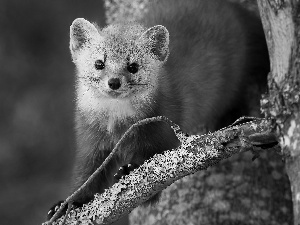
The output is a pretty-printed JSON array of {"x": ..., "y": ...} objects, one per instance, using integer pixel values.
[{"x": 106, "y": 110}]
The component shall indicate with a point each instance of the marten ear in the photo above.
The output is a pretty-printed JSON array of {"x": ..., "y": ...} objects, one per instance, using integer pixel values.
[
  {"x": 157, "y": 40},
  {"x": 81, "y": 32}
]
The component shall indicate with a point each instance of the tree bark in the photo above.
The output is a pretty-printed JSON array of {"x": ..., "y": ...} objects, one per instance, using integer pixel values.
[
  {"x": 196, "y": 152},
  {"x": 282, "y": 28}
]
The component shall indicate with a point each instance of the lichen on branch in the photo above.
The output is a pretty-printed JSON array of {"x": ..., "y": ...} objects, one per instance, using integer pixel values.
[{"x": 196, "y": 152}]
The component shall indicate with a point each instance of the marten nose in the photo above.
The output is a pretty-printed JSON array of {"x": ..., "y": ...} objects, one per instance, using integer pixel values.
[{"x": 114, "y": 83}]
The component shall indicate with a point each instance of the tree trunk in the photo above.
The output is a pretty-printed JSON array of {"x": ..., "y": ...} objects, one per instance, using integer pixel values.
[{"x": 282, "y": 27}]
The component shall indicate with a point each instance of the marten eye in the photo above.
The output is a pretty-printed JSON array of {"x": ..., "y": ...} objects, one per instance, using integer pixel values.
[
  {"x": 99, "y": 64},
  {"x": 133, "y": 67}
]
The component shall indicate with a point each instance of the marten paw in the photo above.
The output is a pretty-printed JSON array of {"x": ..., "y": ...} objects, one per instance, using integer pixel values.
[
  {"x": 125, "y": 170},
  {"x": 54, "y": 208}
]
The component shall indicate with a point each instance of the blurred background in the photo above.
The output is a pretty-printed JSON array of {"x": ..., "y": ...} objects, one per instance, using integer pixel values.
[{"x": 37, "y": 103}]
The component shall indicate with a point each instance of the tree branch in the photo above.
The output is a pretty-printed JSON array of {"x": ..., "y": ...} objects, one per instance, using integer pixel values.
[{"x": 196, "y": 152}]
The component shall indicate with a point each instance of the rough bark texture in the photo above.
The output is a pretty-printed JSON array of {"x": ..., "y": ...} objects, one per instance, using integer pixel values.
[
  {"x": 196, "y": 152},
  {"x": 120, "y": 10},
  {"x": 236, "y": 191},
  {"x": 282, "y": 27}
]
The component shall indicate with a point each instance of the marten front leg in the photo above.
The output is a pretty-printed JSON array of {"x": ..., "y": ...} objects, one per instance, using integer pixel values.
[{"x": 85, "y": 166}]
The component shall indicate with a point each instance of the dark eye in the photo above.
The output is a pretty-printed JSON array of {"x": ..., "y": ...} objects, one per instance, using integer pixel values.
[
  {"x": 133, "y": 67},
  {"x": 99, "y": 64}
]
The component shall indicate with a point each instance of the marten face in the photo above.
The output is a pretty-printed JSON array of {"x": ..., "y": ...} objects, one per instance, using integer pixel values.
[
  {"x": 117, "y": 74},
  {"x": 118, "y": 67}
]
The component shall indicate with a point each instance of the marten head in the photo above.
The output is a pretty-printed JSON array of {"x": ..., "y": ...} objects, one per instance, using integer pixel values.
[{"x": 117, "y": 67}]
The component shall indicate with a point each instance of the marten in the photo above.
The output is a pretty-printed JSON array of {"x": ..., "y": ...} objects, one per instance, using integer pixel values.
[{"x": 189, "y": 61}]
